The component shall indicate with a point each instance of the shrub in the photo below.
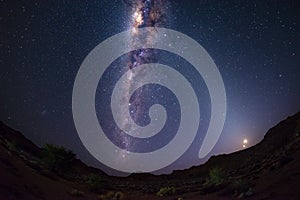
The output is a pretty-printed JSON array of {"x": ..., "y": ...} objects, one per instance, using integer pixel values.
[
  {"x": 240, "y": 186},
  {"x": 57, "y": 158},
  {"x": 94, "y": 182},
  {"x": 12, "y": 146},
  {"x": 77, "y": 193},
  {"x": 166, "y": 191},
  {"x": 215, "y": 181},
  {"x": 217, "y": 176},
  {"x": 112, "y": 196}
]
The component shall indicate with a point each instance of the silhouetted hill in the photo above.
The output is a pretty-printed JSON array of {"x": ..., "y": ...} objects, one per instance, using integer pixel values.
[
  {"x": 16, "y": 138},
  {"x": 277, "y": 141},
  {"x": 268, "y": 170}
]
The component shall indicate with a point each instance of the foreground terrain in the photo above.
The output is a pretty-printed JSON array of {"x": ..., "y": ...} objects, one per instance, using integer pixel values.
[{"x": 268, "y": 170}]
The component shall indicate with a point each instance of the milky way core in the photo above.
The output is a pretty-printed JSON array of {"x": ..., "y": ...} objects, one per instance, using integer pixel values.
[{"x": 144, "y": 13}]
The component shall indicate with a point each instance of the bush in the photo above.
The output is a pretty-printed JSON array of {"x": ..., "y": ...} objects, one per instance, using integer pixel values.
[
  {"x": 57, "y": 158},
  {"x": 77, "y": 193},
  {"x": 166, "y": 191},
  {"x": 12, "y": 146},
  {"x": 215, "y": 181},
  {"x": 94, "y": 182},
  {"x": 112, "y": 196},
  {"x": 240, "y": 186},
  {"x": 217, "y": 176}
]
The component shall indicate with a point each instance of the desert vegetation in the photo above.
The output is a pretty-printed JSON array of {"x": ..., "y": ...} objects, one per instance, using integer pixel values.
[
  {"x": 57, "y": 159},
  {"x": 111, "y": 195},
  {"x": 166, "y": 191}
]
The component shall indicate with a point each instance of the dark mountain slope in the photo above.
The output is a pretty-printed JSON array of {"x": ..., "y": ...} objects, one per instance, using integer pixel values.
[{"x": 268, "y": 170}]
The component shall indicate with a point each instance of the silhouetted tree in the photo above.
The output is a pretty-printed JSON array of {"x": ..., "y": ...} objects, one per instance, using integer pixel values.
[{"x": 57, "y": 158}]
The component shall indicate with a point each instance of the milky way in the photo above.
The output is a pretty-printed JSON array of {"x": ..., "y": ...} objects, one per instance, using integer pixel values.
[{"x": 144, "y": 13}]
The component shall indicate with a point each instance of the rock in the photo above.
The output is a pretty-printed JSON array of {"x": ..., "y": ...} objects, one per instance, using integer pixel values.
[
  {"x": 242, "y": 195},
  {"x": 249, "y": 192}
]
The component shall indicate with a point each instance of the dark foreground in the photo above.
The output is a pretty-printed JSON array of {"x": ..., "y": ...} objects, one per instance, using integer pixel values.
[{"x": 268, "y": 170}]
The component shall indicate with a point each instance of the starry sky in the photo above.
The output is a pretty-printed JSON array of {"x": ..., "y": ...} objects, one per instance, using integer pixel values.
[{"x": 255, "y": 45}]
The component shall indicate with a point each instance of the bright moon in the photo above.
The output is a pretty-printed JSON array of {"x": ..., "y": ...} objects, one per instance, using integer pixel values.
[{"x": 245, "y": 141}]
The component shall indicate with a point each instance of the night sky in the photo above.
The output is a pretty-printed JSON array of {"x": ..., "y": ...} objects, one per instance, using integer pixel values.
[{"x": 254, "y": 44}]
